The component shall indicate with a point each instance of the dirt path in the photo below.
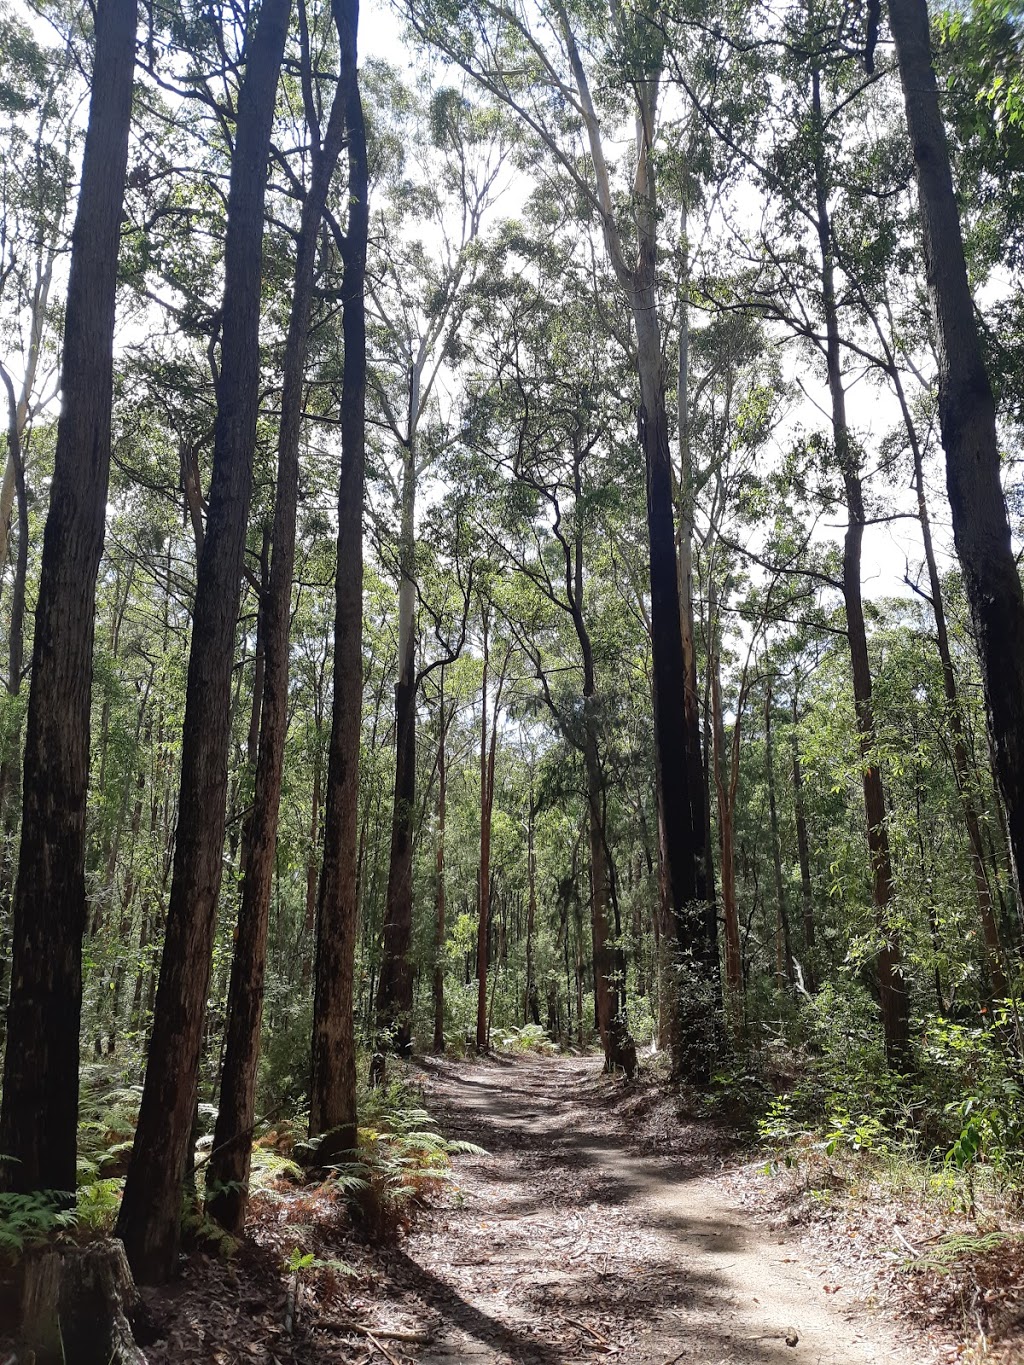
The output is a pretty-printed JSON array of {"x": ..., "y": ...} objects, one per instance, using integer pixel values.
[{"x": 564, "y": 1243}]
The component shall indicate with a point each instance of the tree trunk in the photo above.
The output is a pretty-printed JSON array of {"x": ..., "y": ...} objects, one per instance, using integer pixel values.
[
  {"x": 726, "y": 835},
  {"x": 803, "y": 849},
  {"x": 895, "y": 1003},
  {"x": 609, "y": 962},
  {"x": 484, "y": 886},
  {"x": 76, "y": 1306},
  {"x": 531, "y": 995},
  {"x": 151, "y": 1209},
  {"x": 966, "y": 777},
  {"x": 981, "y": 527},
  {"x": 394, "y": 989},
  {"x": 695, "y": 972},
  {"x": 696, "y": 768},
  {"x": 783, "y": 945},
  {"x": 439, "y": 870},
  {"x": 11, "y": 761},
  {"x": 39, "y": 1115},
  {"x": 332, "y": 1114},
  {"x": 312, "y": 879},
  {"x": 37, "y": 322},
  {"x": 228, "y": 1172},
  {"x": 697, "y": 988}
]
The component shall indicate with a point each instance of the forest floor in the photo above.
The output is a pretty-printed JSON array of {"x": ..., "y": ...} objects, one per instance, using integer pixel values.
[{"x": 600, "y": 1223}]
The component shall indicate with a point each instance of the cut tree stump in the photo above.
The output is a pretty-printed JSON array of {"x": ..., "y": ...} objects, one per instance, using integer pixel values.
[{"x": 76, "y": 1305}]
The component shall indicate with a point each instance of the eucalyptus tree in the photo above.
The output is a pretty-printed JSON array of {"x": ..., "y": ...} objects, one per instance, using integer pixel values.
[
  {"x": 229, "y": 1165},
  {"x": 967, "y": 418},
  {"x": 332, "y": 1112},
  {"x": 425, "y": 265},
  {"x": 812, "y": 173},
  {"x": 37, "y": 108},
  {"x": 39, "y": 1113},
  {"x": 738, "y": 400},
  {"x": 149, "y": 1220},
  {"x": 541, "y": 410},
  {"x": 570, "y": 76},
  {"x": 39, "y": 135}
]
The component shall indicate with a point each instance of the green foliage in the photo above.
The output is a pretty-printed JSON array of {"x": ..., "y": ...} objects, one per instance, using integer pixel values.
[
  {"x": 399, "y": 1160},
  {"x": 957, "y": 1247},
  {"x": 520, "y": 1041},
  {"x": 31, "y": 1220}
]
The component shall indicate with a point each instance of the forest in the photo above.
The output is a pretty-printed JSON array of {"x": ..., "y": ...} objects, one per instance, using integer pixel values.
[{"x": 509, "y": 557}]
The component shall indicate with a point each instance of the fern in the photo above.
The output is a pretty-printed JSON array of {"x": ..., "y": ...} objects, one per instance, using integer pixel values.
[
  {"x": 31, "y": 1220},
  {"x": 959, "y": 1246}
]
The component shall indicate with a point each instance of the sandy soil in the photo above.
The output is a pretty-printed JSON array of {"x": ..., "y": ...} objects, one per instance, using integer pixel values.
[{"x": 566, "y": 1242}]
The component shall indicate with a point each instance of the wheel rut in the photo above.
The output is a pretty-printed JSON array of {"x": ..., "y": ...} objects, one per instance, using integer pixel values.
[{"x": 565, "y": 1243}]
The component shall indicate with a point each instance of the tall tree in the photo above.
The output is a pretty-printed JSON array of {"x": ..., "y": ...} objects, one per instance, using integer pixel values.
[
  {"x": 232, "y": 1141},
  {"x": 39, "y": 1113},
  {"x": 635, "y": 54},
  {"x": 332, "y": 1111},
  {"x": 895, "y": 1004},
  {"x": 419, "y": 306},
  {"x": 149, "y": 1220},
  {"x": 967, "y": 419}
]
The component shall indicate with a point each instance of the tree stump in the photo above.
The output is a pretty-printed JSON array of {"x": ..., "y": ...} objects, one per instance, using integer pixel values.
[{"x": 76, "y": 1305}]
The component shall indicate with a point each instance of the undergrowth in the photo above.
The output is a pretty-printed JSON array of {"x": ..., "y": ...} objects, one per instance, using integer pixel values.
[
  {"x": 401, "y": 1158},
  {"x": 951, "y": 1133}
]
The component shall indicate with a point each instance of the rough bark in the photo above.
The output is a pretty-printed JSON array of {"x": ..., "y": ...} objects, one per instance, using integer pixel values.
[
  {"x": 894, "y": 1000},
  {"x": 228, "y": 1172},
  {"x": 444, "y": 720},
  {"x": 484, "y": 881},
  {"x": 332, "y": 1115},
  {"x": 981, "y": 528},
  {"x": 38, "y": 1118},
  {"x": 76, "y": 1306},
  {"x": 150, "y": 1212},
  {"x": 803, "y": 848},
  {"x": 783, "y": 944},
  {"x": 394, "y": 989},
  {"x": 697, "y": 988},
  {"x": 966, "y": 776}
]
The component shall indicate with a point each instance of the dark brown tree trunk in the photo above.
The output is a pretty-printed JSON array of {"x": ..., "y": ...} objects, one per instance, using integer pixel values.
[
  {"x": 312, "y": 878},
  {"x": 803, "y": 849},
  {"x": 228, "y": 1172},
  {"x": 696, "y": 1004},
  {"x": 981, "y": 527},
  {"x": 963, "y": 769},
  {"x": 784, "y": 947},
  {"x": 444, "y": 720},
  {"x": 332, "y": 1114},
  {"x": 895, "y": 1002},
  {"x": 148, "y": 1223},
  {"x": 39, "y": 1114},
  {"x": 484, "y": 885},
  {"x": 531, "y": 995},
  {"x": 394, "y": 989}
]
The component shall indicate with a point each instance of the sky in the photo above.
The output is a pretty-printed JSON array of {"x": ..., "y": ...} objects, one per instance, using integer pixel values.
[{"x": 887, "y": 548}]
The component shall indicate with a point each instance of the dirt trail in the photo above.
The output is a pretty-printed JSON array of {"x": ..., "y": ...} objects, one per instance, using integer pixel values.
[{"x": 565, "y": 1244}]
